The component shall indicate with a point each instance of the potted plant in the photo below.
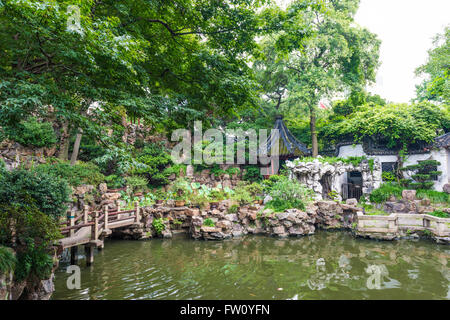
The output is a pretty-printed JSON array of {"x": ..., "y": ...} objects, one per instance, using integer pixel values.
[{"x": 159, "y": 197}]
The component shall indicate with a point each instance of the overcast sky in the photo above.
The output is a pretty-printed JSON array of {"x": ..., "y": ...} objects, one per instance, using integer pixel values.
[{"x": 406, "y": 29}]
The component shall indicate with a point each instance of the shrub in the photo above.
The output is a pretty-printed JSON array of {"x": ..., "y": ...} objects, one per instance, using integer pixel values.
[
  {"x": 158, "y": 225},
  {"x": 75, "y": 175},
  {"x": 242, "y": 195},
  {"x": 422, "y": 174},
  {"x": 136, "y": 183},
  {"x": 252, "y": 174},
  {"x": 287, "y": 194},
  {"x": 114, "y": 181},
  {"x": 33, "y": 133},
  {"x": 255, "y": 189},
  {"x": 23, "y": 187},
  {"x": 32, "y": 232},
  {"x": 155, "y": 159},
  {"x": 385, "y": 191}
]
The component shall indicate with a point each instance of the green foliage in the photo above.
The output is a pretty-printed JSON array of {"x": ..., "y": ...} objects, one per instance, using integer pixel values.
[
  {"x": 355, "y": 161},
  {"x": 7, "y": 260},
  {"x": 232, "y": 171},
  {"x": 32, "y": 232},
  {"x": 439, "y": 214},
  {"x": 32, "y": 133},
  {"x": 181, "y": 189},
  {"x": 114, "y": 181},
  {"x": 422, "y": 174},
  {"x": 209, "y": 222},
  {"x": 396, "y": 125},
  {"x": 436, "y": 86},
  {"x": 158, "y": 225},
  {"x": 434, "y": 196},
  {"x": 385, "y": 191},
  {"x": 388, "y": 176},
  {"x": 242, "y": 195},
  {"x": 388, "y": 189},
  {"x": 287, "y": 194},
  {"x": 23, "y": 187},
  {"x": 155, "y": 158},
  {"x": 252, "y": 174},
  {"x": 233, "y": 209},
  {"x": 75, "y": 175},
  {"x": 136, "y": 183}
]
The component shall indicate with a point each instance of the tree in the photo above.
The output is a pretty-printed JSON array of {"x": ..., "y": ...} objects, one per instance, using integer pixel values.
[
  {"x": 337, "y": 57},
  {"x": 165, "y": 62},
  {"x": 436, "y": 86}
]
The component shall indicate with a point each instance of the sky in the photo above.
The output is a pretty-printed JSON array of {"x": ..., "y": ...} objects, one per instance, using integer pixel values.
[{"x": 406, "y": 29}]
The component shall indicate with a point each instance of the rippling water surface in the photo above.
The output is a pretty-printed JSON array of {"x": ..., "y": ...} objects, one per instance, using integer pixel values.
[{"x": 327, "y": 265}]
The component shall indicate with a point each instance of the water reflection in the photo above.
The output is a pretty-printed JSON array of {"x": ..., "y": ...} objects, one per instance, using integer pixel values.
[{"x": 324, "y": 266}]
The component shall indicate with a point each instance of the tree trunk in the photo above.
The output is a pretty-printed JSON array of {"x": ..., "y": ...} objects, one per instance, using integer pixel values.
[
  {"x": 125, "y": 132},
  {"x": 312, "y": 124},
  {"x": 76, "y": 147},
  {"x": 63, "y": 153}
]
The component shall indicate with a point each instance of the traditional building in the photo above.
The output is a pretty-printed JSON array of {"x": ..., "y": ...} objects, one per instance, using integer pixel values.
[
  {"x": 288, "y": 146},
  {"x": 388, "y": 159}
]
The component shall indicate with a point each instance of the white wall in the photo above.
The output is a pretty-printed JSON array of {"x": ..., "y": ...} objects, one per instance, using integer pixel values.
[
  {"x": 441, "y": 155},
  {"x": 351, "y": 151}
]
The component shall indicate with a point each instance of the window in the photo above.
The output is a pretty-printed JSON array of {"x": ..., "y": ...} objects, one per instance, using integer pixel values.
[{"x": 389, "y": 166}]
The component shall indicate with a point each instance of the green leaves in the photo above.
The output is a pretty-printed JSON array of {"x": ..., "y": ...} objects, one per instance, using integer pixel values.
[{"x": 436, "y": 87}]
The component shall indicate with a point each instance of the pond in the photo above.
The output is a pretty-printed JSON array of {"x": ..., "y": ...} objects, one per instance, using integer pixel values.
[{"x": 327, "y": 265}]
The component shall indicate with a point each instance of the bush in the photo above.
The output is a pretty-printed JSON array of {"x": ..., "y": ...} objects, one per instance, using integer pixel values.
[
  {"x": 155, "y": 159},
  {"x": 75, "y": 175},
  {"x": 242, "y": 195},
  {"x": 31, "y": 232},
  {"x": 114, "y": 181},
  {"x": 422, "y": 174},
  {"x": 158, "y": 225},
  {"x": 33, "y": 133},
  {"x": 252, "y": 174},
  {"x": 287, "y": 194},
  {"x": 136, "y": 183},
  {"x": 23, "y": 187},
  {"x": 385, "y": 191}
]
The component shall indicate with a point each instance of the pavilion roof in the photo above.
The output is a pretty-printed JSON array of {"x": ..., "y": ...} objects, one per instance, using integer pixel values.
[{"x": 289, "y": 146}]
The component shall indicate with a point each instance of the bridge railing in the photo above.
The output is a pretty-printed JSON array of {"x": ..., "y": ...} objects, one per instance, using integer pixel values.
[{"x": 99, "y": 220}]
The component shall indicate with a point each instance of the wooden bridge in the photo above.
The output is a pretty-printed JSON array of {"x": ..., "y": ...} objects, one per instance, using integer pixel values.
[{"x": 90, "y": 228}]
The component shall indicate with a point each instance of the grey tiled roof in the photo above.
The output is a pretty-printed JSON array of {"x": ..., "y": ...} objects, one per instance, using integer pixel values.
[{"x": 443, "y": 141}]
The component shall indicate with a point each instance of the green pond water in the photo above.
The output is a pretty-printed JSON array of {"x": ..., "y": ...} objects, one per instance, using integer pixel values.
[{"x": 327, "y": 265}]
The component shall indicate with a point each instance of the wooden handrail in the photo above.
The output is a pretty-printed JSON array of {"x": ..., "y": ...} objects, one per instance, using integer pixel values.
[{"x": 78, "y": 226}]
